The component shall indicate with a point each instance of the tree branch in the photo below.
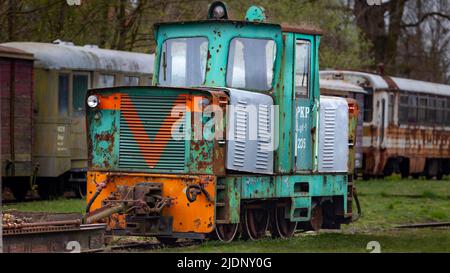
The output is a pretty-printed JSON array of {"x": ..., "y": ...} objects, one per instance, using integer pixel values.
[{"x": 425, "y": 17}]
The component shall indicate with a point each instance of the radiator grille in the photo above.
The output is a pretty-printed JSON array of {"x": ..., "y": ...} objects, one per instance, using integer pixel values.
[{"x": 146, "y": 139}]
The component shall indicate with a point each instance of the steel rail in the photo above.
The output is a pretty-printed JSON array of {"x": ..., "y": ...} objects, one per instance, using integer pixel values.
[{"x": 425, "y": 225}]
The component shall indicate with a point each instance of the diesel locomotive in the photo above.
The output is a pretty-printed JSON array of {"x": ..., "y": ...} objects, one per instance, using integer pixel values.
[{"x": 232, "y": 137}]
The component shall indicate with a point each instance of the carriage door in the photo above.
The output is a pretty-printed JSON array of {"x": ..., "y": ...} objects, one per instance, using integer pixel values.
[
  {"x": 80, "y": 85},
  {"x": 303, "y": 103},
  {"x": 383, "y": 122}
]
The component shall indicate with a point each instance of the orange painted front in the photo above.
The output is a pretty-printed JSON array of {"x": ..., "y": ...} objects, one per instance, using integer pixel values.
[{"x": 197, "y": 216}]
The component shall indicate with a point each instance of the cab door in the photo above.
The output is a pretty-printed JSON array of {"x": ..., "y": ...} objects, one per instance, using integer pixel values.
[{"x": 304, "y": 102}]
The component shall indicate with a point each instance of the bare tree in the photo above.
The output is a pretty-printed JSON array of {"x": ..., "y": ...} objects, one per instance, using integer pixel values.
[{"x": 424, "y": 50}]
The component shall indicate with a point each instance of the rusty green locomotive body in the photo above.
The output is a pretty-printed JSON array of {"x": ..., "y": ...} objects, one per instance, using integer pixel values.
[{"x": 232, "y": 133}]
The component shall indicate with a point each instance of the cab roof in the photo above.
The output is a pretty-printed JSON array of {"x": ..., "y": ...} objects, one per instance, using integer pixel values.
[{"x": 304, "y": 29}]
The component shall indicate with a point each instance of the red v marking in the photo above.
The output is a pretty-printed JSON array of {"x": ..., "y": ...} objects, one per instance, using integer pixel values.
[{"x": 151, "y": 150}]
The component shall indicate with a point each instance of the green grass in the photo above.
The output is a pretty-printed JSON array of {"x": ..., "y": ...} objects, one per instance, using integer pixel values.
[
  {"x": 387, "y": 203},
  {"x": 58, "y": 206},
  {"x": 424, "y": 240}
]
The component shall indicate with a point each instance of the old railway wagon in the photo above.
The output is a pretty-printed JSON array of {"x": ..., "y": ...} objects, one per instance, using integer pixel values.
[
  {"x": 16, "y": 91},
  {"x": 63, "y": 73},
  {"x": 233, "y": 135},
  {"x": 341, "y": 88},
  {"x": 406, "y": 124}
]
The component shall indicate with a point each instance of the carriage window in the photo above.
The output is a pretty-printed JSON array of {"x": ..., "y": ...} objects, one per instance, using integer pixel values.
[
  {"x": 391, "y": 108},
  {"x": 63, "y": 94},
  {"x": 183, "y": 62},
  {"x": 130, "y": 81},
  {"x": 431, "y": 111},
  {"x": 422, "y": 110},
  {"x": 105, "y": 80},
  {"x": 79, "y": 89},
  {"x": 447, "y": 121},
  {"x": 368, "y": 108},
  {"x": 250, "y": 64},
  {"x": 412, "y": 109},
  {"x": 146, "y": 81},
  {"x": 302, "y": 60},
  {"x": 403, "y": 115},
  {"x": 440, "y": 111}
]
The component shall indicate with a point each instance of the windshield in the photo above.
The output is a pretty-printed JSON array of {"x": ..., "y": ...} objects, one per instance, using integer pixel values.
[
  {"x": 250, "y": 64},
  {"x": 183, "y": 62}
]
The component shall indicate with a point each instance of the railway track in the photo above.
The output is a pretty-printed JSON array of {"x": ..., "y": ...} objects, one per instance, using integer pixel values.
[
  {"x": 64, "y": 232},
  {"x": 425, "y": 225},
  {"x": 143, "y": 246}
]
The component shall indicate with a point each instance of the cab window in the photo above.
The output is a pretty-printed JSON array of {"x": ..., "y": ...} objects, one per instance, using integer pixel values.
[
  {"x": 250, "y": 64},
  {"x": 183, "y": 62},
  {"x": 302, "y": 68}
]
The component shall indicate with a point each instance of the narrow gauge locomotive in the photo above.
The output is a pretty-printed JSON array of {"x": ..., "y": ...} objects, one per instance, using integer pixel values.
[
  {"x": 48, "y": 100},
  {"x": 232, "y": 136},
  {"x": 406, "y": 124}
]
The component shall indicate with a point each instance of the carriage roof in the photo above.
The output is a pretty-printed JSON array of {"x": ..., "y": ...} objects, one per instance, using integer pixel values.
[
  {"x": 421, "y": 86},
  {"x": 9, "y": 52},
  {"x": 381, "y": 82},
  {"x": 89, "y": 58},
  {"x": 373, "y": 80},
  {"x": 341, "y": 85}
]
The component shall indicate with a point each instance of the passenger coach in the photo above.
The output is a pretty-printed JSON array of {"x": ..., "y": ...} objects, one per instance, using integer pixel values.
[
  {"x": 406, "y": 124},
  {"x": 63, "y": 73}
]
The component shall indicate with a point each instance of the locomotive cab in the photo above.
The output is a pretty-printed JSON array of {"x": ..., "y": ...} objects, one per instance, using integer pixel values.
[{"x": 226, "y": 137}]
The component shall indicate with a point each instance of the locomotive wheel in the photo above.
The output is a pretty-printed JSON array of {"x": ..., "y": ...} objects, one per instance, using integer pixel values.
[
  {"x": 316, "y": 221},
  {"x": 282, "y": 227},
  {"x": 329, "y": 217},
  {"x": 316, "y": 218},
  {"x": 255, "y": 223},
  {"x": 226, "y": 232},
  {"x": 19, "y": 191},
  {"x": 49, "y": 190}
]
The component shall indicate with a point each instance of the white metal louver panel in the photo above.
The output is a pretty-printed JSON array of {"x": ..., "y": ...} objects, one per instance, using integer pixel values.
[
  {"x": 333, "y": 134},
  {"x": 240, "y": 135},
  {"x": 251, "y": 135},
  {"x": 329, "y": 140},
  {"x": 264, "y": 137}
]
